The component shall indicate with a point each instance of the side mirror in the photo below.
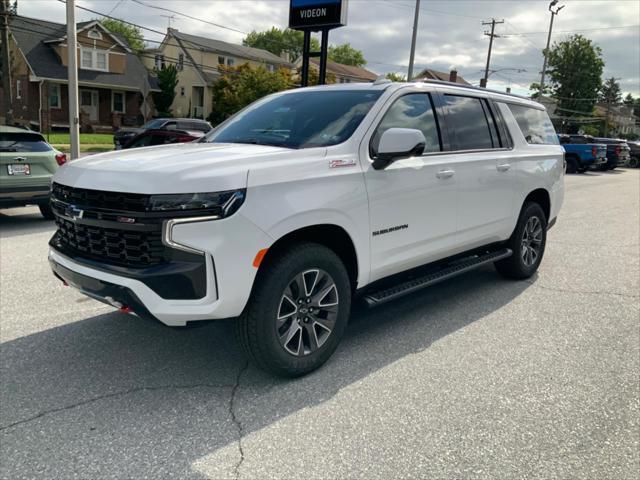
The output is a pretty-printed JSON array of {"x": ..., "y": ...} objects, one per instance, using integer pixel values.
[{"x": 397, "y": 143}]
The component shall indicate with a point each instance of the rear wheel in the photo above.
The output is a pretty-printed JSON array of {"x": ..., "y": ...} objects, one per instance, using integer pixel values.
[
  {"x": 633, "y": 162},
  {"x": 298, "y": 311},
  {"x": 46, "y": 211},
  {"x": 527, "y": 242},
  {"x": 572, "y": 165}
]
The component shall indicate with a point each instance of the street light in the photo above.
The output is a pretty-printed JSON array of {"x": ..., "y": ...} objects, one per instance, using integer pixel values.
[{"x": 546, "y": 51}]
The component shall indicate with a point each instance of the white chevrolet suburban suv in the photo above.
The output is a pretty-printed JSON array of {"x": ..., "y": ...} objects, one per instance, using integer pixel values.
[{"x": 307, "y": 199}]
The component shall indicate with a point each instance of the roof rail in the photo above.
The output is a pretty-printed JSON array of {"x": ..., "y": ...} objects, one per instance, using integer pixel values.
[{"x": 469, "y": 87}]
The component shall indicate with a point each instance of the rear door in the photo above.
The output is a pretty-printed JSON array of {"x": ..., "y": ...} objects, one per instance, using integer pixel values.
[{"x": 485, "y": 168}]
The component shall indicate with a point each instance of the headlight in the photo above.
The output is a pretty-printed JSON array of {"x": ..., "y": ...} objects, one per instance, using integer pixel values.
[{"x": 223, "y": 204}]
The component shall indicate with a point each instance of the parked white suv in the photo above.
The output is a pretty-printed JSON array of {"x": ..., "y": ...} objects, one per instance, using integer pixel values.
[{"x": 305, "y": 199}]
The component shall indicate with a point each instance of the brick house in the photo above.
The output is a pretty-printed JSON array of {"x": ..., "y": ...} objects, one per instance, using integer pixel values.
[{"x": 114, "y": 86}]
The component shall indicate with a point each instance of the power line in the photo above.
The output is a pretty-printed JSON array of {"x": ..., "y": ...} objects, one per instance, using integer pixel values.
[{"x": 571, "y": 31}]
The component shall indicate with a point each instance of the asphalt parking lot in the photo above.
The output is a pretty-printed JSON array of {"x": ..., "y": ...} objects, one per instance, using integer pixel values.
[{"x": 478, "y": 377}]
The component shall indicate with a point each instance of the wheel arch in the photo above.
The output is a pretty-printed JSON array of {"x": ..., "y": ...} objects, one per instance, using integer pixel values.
[
  {"x": 331, "y": 236},
  {"x": 542, "y": 197}
]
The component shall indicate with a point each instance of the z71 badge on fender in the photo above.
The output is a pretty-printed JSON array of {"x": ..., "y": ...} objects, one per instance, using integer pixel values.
[{"x": 389, "y": 230}]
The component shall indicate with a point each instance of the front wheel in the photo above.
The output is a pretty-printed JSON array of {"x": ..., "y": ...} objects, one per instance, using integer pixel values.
[
  {"x": 527, "y": 242},
  {"x": 298, "y": 311},
  {"x": 46, "y": 211}
]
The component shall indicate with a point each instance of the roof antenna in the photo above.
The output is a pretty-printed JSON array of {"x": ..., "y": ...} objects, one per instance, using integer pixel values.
[{"x": 169, "y": 18}]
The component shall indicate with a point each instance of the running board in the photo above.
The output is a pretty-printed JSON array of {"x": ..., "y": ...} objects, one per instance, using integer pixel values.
[{"x": 374, "y": 299}]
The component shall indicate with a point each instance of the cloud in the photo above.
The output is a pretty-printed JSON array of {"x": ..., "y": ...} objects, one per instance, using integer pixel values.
[{"x": 450, "y": 32}]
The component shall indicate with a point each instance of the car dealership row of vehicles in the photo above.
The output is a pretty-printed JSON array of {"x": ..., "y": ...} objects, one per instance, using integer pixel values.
[{"x": 308, "y": 199}]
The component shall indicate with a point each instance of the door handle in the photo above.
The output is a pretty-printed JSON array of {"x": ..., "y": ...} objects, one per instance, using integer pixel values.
[
  {"x": 445, "y": 174},
  {"x": 503, "y": 167}
]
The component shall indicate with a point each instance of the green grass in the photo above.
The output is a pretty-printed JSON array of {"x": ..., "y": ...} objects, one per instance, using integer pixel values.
[{"x": 86, "y": 138}]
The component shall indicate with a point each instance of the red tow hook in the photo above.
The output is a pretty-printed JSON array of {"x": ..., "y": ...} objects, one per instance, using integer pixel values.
[{"x": 125, "y": 310}]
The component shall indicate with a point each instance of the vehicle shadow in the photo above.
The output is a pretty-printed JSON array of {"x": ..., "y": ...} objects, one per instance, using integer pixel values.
[
  {"x": 27, "y": 221},
  {"x": 115, "y": 395}
]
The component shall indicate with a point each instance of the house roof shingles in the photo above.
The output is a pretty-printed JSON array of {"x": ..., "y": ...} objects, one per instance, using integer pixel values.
[
  {"x": 431, "y": 74},
  {"x": 218, "y": 46},
  {"x": 347, "y": 70},
  {"x": 31, "y": 35}
]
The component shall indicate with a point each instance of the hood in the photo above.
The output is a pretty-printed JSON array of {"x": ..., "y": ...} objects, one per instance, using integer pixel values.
[{"x": 180, "y": 168}]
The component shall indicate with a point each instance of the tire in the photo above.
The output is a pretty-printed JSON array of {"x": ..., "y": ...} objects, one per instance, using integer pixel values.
[
  {"x": 633, "y": 162},
  {"x": 527, "y": 242},
  {"x": 45, "y": 210},
  {"x": 297, "y": 312},
  {"x": 572, "y": 165}
]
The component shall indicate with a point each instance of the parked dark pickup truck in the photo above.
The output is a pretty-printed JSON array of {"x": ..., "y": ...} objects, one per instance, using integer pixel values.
[
  {"x": 617, "y": 153},
  {"x": 634, "y": 160},
  {"x": 582, "y": 152}
]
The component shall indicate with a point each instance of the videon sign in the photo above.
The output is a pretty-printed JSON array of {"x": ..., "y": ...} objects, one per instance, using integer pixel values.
[{"x": 312, "y": 14}]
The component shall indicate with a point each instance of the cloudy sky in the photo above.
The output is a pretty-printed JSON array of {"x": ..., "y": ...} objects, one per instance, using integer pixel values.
[{"x": 450, "y": 32}]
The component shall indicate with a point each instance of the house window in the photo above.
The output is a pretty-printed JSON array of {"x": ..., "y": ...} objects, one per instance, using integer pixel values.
[
  {"x": 159, "y": 61},
  {"x": 87, "y": 59},
  {"x": 18, "y": 89},
  {"x": 180, "y": 61},
  {"x": 271, "y": 68},
  {"x": 54, "y": 95},
  {"x": 101, "y": 60},
  {"x": 182, "y": 91},
  {"x": 221, "y": 60},
  {"x": 94, "y": 59},
  {"x": 95, "y": 34},
  {"x": 117, "y": 102},
  {"x": 230, "y": 62}
]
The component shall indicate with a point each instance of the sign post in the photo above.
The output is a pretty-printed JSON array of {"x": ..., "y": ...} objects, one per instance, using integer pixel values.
[{"x": 313, "y": 16}]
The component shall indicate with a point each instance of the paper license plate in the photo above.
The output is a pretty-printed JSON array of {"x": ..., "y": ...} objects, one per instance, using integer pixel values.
[{"x": 18, "y": 169}]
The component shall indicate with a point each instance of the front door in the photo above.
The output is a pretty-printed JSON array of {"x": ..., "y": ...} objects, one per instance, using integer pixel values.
[
  {"x": 413, "y": 202},
  {"x": 89, "y": 103}
]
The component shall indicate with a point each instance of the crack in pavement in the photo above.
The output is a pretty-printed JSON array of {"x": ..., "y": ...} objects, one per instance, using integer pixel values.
[
  {"x": 236, "y": 422},
  {"x": 586, "y": 292},
  {"x": 111, "y": 395}
]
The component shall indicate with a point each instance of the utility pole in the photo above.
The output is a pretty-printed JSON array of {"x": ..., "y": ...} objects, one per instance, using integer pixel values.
[
  {"x": 5, "y": 11},
  {"x": 546, "y": 50},
  {"x": 492, "y": 35},
  {"x": 72, "y": 73},
  {"x": 413, "y": 41}
]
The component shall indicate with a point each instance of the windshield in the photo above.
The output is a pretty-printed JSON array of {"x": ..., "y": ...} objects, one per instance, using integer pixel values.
[
  {"x": 23, "y": 142},
  {"x": 299, "y": 120},
  {"x": 153, "y": 124}
]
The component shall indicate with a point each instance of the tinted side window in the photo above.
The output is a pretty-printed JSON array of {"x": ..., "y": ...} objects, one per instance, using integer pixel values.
[
  {"x": 411, "y": 111},
  {"x": 466, "y": 117},
  {"x": 535, "y": 125}
]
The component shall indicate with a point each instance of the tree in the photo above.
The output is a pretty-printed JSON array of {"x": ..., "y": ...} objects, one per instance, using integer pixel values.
[
  {"x": 628, "y": 100},
  {"x": 240, "y": 86},
  {"x": 575, "y": 69},
  {"x": 133, "y": 35},
  {"x": 277, "y": 41},
  {"x": 535, "y": 88},
  {"x": 314, "y": 77},
  {"x": 167, "y": 81},
  {"x": 610, "y": 92},
  {"x": 396, "y": 77},
  {"x": 346, "y": 55}
]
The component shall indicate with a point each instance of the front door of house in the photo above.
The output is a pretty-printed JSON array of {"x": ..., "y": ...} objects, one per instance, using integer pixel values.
[{"x": 89, "y": 103}]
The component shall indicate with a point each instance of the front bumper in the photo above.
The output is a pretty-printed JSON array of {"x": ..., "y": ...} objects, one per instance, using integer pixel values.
[
  {"x": 229, "y": 247},
  {"x": 24, "y": 195}
]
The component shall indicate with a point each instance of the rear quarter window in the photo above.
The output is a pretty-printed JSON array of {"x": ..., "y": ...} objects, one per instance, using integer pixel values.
[
  {"x": 535, "y": 125},
  {"x": 23, "y": 142}
]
